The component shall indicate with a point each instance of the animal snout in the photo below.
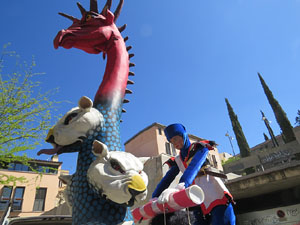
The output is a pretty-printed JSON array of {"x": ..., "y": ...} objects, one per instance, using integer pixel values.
[
  {"x": 50, "y": 137},
  {"x": 134, "y": 192}
]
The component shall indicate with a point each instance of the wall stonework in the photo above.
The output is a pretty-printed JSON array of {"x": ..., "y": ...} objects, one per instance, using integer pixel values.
[{"x": 266, "y": 159}]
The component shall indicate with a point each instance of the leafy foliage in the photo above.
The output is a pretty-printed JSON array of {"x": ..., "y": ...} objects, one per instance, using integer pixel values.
[
  {"x": 231, "y": 159},
  {"x": 24, "y": 109}
]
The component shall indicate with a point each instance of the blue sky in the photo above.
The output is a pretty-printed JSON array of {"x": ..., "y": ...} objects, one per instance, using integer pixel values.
[{"x": 189, "y": 57}]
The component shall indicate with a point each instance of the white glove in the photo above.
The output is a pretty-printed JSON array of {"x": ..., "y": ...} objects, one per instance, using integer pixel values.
[{"x": 164, "y": 196}]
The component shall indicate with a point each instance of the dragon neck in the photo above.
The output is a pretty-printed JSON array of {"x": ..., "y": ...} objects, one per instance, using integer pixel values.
[
  {"x": 112, "y": 89},
  {"x": 109, "y": 97}
]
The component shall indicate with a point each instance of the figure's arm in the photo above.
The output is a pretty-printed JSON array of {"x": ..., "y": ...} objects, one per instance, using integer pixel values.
[
  {"x": 166, "y": 181},
  {"x": 193, "y": 168}
]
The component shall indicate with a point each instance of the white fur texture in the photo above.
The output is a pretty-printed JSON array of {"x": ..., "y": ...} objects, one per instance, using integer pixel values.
[
  {"x": 111, "y": 182},
  {"x": 87, "y": 118}
]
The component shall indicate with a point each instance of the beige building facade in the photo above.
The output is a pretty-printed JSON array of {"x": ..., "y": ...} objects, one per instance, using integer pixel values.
[
  {"x": 151, "y": 142},
  {"x": 39, "y": 192}
]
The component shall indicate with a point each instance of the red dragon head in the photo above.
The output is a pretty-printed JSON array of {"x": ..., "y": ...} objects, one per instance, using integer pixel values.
[{"x": 92, "y": 33}]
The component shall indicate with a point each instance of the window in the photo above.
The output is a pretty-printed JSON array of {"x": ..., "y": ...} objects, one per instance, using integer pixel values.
[
  {"x": 39, "y": 202},
  {"x": 18, "y": 167},
  {"x": 168, "y": 151},
  {"x": 5, "y": 197},
  {"x": 34, "y": 167},
  {"x": 52, "y": 169},
  {"x": 17, "y": 197},
  {"x": 173, "y": 150},
  {"x": 159, "y": 131},
  {"x": 44, "y": 168}
]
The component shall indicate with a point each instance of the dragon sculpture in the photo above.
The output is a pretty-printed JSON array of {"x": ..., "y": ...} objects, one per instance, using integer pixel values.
[{"x": 98, "y": 121}]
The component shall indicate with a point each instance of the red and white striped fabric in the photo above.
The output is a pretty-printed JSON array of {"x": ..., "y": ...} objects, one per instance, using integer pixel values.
[{"x": 185, "y": 198}]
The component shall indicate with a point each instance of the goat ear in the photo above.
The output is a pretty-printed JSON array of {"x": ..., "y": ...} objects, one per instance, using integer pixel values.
[
  {"x": 99, "y": 149},
  {"x": 85, "y": 103}
]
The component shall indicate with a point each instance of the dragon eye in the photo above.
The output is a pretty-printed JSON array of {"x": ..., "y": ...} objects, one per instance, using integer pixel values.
[
  {"x": 116, "y": 166},
  {"x": 88, "y": 17},
  {"x": 69, "y": 118}
]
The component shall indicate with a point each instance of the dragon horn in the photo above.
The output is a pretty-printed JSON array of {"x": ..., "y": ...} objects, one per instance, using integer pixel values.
[
  {"x": 67, "y": 16},
  {"x": 82, "y": 10},
  {"x": 107, "y": 6},
  {"x": 93, "y": 6},
  {"x": 118, "y": 10}
]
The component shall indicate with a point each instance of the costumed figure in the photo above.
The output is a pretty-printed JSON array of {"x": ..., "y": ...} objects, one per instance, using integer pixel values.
[
  {"x": 98, "y": 120},
  {"x": 192, "y": 162}
]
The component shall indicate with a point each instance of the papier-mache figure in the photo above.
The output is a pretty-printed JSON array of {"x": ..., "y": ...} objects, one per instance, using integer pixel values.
[{"x": 192, "y": 161}]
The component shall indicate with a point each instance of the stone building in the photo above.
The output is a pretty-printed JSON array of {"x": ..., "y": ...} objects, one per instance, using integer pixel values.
[{"x": 271, "y": 194}]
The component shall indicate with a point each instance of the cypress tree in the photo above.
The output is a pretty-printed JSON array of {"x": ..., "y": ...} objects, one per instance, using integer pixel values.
[
  {"x": 298, "y": 118},
  {"x": 280, "y": 115},
  {"x": 238, "y": 132}
]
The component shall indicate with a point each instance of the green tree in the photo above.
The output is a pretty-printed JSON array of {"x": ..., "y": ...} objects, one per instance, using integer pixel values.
[
  {"x": 280, "y": 115},
  {"x": 238, "y": 132},
  {"x": 24, "y": 110},
  {"x": 239, "y": 135},
  {"x": 298, "y": 118}
]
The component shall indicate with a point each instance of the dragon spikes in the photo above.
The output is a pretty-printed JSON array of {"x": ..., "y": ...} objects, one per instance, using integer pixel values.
[
  {"x": 129, "y": 82},
  {"x": 67, "y": 16},
  {"x": 122, "y": 28},
  {"x": 94, "y": 6},
  {"x": 82, "y": 10},
  {"x": 94, "y": 9}
]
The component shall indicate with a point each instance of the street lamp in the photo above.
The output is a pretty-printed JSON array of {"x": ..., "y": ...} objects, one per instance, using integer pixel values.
[
  {"x": 267, "y": 123},
  {"x": 230, "y": 138}
]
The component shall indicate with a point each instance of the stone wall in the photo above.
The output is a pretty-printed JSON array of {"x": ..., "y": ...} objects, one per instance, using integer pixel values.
[{"x": 265, "y": 159}]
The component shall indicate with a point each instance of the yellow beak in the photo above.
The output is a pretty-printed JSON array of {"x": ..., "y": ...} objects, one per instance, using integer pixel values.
[
  {"x": 137, "y": 183},
  {"x": 50, "y": 132}
]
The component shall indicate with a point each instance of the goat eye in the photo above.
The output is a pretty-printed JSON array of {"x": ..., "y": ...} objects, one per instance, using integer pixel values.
[
  {"x": 116, "y": 166},
  {"x": 69, "y": 118}
]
